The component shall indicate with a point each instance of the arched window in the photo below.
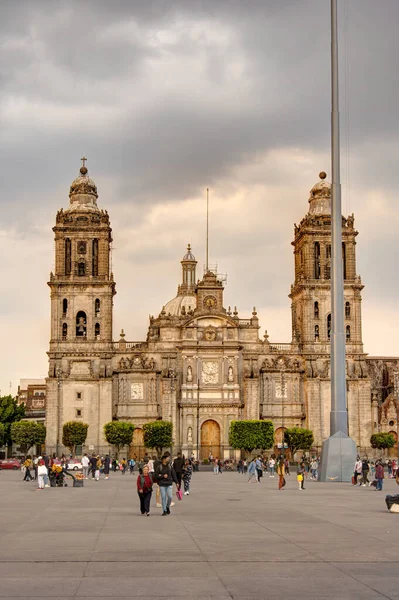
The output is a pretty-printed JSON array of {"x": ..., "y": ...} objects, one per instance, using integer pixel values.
[
  {"x": 64, "y": 307},
  {"x": 327, "y": 267},
  {"x": 329, "y": 326},
  {"x": 97, "y": 305},
  {"x": 97, "y": 331},
  {"x": 316, "y": 333},
  {"x": 81, "y": 268},
  {"x": 348, "y": 333},
  {"x": 317, "y": 260},
  {"x": 68, "y": 256},
  {"x": 81, "y": 324},
  {"x": 94, "y": 257},
  {"x": 64, "y": 331},
  {"x": 347, "y": 310},
  {"x": 316, "y": 310}
]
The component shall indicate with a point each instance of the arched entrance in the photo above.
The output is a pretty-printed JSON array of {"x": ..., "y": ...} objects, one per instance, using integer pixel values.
[
  {"x": 279, "y": 441},
  {"x": 210, "y": 439},
  {"x": 393, "y": 452},
  {"x": 137, "y": 445}
]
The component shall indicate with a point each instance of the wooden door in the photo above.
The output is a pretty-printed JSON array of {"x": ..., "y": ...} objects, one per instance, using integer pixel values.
[
  {"x": 137, "y": 445},
  {"x": 210, "y": 439}
]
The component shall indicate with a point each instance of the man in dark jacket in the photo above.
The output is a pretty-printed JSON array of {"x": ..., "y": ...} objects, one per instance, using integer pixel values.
[
  {"x": 107, "y": 462},
  {"x": 178, "y": 464},
  {"x": 93, "y": 465},
  {"x": 165, "y": 476}
]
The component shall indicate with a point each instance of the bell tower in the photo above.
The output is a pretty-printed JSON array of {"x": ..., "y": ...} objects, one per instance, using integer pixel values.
[
  {"x": 82, "y": 286},
  {"x": 311, "y": 291},
  {"x": 79, "y": 385}
]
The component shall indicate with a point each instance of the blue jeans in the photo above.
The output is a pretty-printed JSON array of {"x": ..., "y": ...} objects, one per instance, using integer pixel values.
[
  {"x": 379, "y": 484},
  {"x": 166, "y": 496}
]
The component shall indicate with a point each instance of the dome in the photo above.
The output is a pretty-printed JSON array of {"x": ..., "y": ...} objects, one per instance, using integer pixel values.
[
  {"x": 83, "y": 191},
  {"x": 181, "y": 305},
  {"x": 320, "y": 196},
  {"x": 189, "y": 255}
]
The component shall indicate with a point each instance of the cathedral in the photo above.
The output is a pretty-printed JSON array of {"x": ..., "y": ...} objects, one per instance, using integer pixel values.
[{"x": 202, "y": 365}]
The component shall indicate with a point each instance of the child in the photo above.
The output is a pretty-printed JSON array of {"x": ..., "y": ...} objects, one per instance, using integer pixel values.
[
  {"x": 41, "y": 474},
  {"x": 187, "y": 472},
  {"x": 97, "y": 472},
  {"x": 144, "y": 490}
]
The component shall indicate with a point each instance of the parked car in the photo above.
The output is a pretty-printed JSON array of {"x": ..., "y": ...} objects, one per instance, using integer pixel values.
[
  {"x": 10, "y": 463},
  {"x": 74, "y": 464}
]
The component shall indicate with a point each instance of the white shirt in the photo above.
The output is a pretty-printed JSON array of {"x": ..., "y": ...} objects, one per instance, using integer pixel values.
[
  {"x": 85, "y": 461},
  {"x": 151, "y": 466}
]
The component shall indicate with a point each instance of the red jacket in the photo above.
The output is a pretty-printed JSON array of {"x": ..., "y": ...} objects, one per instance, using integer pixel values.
[
  {"x": 379, "y": 472},
  {"x": 146, "y": 485}
]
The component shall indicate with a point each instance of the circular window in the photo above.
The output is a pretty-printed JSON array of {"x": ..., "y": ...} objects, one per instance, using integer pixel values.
[{"x": 391, "y": 423}]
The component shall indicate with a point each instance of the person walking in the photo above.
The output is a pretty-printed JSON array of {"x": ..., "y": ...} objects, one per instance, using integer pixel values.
[
  {"x": 178, "y": 464},
  {"x": 93, "y": 465},
  {"x": 300, "y": 476},
  {"x": 144, "y": 490},
  {"x": 124, "y": 465},
  {"x": 357, "y": 470},
  {"x": 187, "y": 473},
  {"x": 365, "y": 472},
  {"x": 379, "y": 475},
  {"x": 85, "y": 466},
  {"x": 107, "y": 464},
  {"x": 252, "y": 471},
  {"x": 165, "y": 477},
  {"x": 216, "y": 466},
  {"x": 258, "y": 466},
  {"x": 272, "y": 464},
  {"x": 280, "y": 472},
  {"x": 287, "y": 466},
  {"x": 27, "y": 464},
  {"x": 42, "y": 474}
]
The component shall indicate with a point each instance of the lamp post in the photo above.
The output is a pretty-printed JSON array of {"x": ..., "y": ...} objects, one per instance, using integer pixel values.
[{"x": 59, "y": 375}]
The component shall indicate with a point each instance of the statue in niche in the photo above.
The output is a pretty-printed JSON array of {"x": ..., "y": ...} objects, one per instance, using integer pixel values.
[
  {"x": 189, "y": 373},
  {"x": 152, "y": 364},
  {"x": 190, "y": 435},
  {"x": 230, "y": 374}
]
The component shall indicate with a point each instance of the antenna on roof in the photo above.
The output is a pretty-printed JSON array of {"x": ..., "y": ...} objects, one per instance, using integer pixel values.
[{"x": 207, "y": 230}]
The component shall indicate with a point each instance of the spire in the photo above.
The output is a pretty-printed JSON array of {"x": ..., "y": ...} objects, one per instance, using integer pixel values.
[
  {"x": 320, "y": 196},
  {"x": 188, "y": 273},
  {"x": 83, "y": 190}
]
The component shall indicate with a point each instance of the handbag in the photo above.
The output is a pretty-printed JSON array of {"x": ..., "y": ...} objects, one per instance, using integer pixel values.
[
  {"x": 299, "y": 477},
  {"x": 179, "y": 494}
]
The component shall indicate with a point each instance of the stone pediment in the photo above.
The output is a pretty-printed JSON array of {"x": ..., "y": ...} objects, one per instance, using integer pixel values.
[
  {"x": 137, "y": 362},
  {"x": 211, "y": 320}
]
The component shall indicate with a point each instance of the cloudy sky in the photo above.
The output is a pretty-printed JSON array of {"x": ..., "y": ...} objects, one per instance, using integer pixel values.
[{"x": 166, "y": 98}]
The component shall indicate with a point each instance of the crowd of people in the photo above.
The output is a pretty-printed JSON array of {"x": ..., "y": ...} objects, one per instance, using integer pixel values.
[{"x": 376, "y": 470}]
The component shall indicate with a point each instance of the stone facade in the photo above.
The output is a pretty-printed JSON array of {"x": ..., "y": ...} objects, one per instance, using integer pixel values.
[{"x": 203, "y": 366}]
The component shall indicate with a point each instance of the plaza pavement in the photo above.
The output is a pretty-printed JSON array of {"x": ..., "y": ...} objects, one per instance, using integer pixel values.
[{"x": 226, "y": 540}]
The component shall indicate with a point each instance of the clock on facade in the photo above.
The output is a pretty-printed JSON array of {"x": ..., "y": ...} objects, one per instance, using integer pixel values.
[{"x": 210, "y": 302}]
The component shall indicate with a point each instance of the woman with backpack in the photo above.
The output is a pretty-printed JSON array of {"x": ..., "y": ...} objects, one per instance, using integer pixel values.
[{"x": 144, "y": 490}]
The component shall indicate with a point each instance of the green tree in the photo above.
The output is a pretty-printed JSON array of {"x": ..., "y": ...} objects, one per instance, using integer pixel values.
[
  {"x": 251, "y": 435},
  {"x": 297, "y": 438},
  {"x": 119, "y": 434},
  {"x": 74, "y": 433},
  {"x": 27, "y": 434},
  {"x": 10, "y": 411},
  {"x": 382, "y": 441},
  {"x": 2, "y": 434},
  {"x": 158, "y": 435}
]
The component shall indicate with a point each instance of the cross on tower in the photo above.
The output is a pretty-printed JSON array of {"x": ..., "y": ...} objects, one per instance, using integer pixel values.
[{"x": 83, "y": 161}]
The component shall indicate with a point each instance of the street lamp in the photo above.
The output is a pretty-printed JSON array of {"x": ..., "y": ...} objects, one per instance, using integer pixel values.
[{"x": 59, "y": 375}]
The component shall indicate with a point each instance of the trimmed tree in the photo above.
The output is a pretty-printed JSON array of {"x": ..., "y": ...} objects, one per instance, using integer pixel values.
[
  {"x": 118, "y": 434},
  {"x": 2, "y": 434},
  {"x": 251, "y": 435},
  {"x": 297, "y": 438},
  {"x": 158, "y": 435},
  {"x": 74, "y": 433},
  {"x": 27, "y": 434},
  {"x": 382, "y": 441},
  {"x": 10, "y": 412}
]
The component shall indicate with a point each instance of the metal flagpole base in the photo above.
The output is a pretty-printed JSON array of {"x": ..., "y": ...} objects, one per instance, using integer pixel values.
[{"x": 338, "y": 457}]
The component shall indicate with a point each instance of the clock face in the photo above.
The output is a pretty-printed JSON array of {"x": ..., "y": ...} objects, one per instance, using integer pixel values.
[{"x": 210, "y": 302}]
